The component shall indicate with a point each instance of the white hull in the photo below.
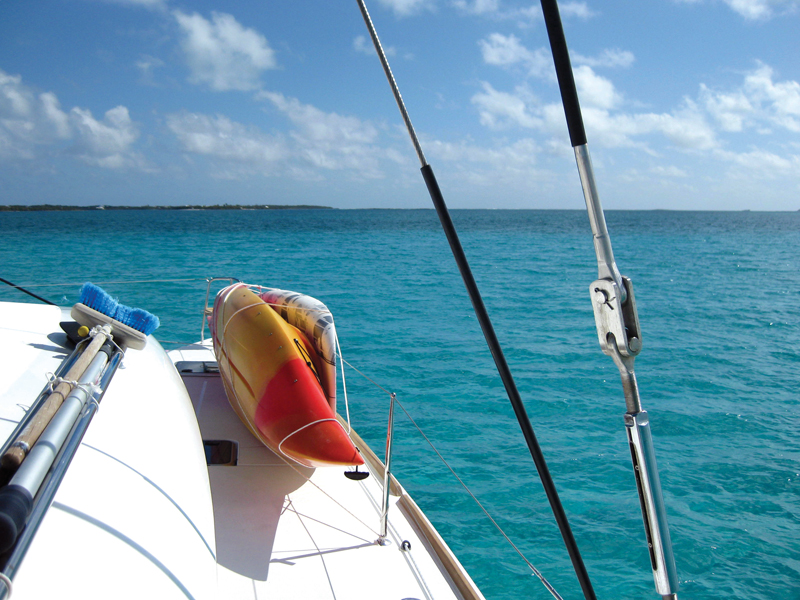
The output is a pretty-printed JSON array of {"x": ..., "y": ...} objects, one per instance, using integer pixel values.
[{"x": 141, "y": 514}]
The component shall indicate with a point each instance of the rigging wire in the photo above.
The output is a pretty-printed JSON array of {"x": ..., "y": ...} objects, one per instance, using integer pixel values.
[
  {"x": 532, "y": 567},
  {"x": 32, "y": 285},
  {"x": 22, "y": 289},
  {"x": 489, "y": 333}
]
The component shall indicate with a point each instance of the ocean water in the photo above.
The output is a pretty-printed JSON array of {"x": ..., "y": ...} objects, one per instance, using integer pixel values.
[{"x": 719, "y": 304}]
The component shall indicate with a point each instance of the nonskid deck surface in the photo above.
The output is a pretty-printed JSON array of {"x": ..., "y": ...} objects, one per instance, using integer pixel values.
[
  {"x": 135, "y": 516},
  {"x": 286, "y": 531}
]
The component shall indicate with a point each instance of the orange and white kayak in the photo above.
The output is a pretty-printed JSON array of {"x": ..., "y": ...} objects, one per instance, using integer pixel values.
[{"x": 274, "y": 378}]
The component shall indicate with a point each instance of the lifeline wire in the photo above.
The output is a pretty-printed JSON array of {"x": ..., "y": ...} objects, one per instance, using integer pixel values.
[
  {"x": 319, "y": 552},
  {"x": 27, "y": 285},
  {"x": 536, "y": 571}
]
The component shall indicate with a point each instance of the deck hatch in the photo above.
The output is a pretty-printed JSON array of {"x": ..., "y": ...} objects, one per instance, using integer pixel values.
[{"x": 221, "y": 452}]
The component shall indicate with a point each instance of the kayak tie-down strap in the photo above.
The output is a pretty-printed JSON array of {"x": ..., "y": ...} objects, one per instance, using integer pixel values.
[{"x": 306, "y": 426}]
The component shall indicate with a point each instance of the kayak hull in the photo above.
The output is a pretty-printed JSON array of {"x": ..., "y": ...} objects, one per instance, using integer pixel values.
[{"x": 271, "y": 383}]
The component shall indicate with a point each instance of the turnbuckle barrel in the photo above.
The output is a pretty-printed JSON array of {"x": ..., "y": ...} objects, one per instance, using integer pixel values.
[
  {"x": 616, "y": 319},
  {"x": 645, "y": 469},
  {"x": 654, "y": 513}
]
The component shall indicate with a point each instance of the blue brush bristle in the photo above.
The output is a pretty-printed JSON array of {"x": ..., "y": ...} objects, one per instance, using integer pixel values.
[
  {"x": 97, "y": 298},
  {"x": 140, "y": 320},
  {"x": 137, "y": 318}
]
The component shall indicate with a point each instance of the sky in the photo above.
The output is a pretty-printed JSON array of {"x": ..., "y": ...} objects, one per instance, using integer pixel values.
[{"x": 688, "y": 104}]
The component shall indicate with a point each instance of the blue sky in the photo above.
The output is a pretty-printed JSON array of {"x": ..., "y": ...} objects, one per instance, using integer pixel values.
[{"x": 688, "y": 104}]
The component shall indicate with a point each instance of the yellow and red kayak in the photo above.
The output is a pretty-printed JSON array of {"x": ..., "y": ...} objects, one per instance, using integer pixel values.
[{"x": 270, "y": 370}]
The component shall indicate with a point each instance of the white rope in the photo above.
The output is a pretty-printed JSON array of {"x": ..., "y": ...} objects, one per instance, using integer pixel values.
[
  {"x": 344, "y": 385},
  {"x": 53, "y": 382},
  {"x": 92, "y": 401},
  {"x": 5, "y": 579},
  {"x": 88, "y": 388},
  {"x": 306, "y": 426}
]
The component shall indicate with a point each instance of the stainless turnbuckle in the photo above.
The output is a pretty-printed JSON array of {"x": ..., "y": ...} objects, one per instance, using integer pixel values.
[{"x": 653, "y": 511}]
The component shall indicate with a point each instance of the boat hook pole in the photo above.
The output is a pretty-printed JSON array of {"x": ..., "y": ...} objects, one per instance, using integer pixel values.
[
  {"x": 486, "y": 326},
  {"x": 617, "y": 324}
]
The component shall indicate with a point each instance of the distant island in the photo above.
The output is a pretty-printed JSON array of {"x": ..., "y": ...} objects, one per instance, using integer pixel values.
[{"x": 35, "y": 207}]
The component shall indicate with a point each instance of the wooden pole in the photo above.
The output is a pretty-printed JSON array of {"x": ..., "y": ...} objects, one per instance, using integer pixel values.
[{"x": 14, "y": 456}]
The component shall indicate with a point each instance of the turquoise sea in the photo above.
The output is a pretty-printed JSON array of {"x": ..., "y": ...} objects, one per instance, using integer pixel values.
[{"x": 719, "y": 305}]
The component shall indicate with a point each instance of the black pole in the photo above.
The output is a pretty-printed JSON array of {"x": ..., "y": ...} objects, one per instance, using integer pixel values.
[
  {"x": 21, "y": 289},
  {"x": 566, "y": 80},
  {"x": 508, "y": 382},
  {"x": 486, "y": 323}
]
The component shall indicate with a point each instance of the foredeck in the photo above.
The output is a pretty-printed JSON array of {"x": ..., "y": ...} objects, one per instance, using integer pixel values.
[{"x": 285, "y": 531}]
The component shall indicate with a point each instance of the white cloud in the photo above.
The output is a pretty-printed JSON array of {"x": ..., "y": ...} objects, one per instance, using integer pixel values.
[
  {"x": 760, "y": 163},
  {"x": 760, "y": 102},
  {"x": 222, "y": 138},
  {"x": 576, "y": 9},
  {"x": 54, "y": 116},
  {"x": 608, "y": 58},
  {"x": 523, "y": 17},
  {"x": 478, "y": 7},
  {"x": 686, "y": 127},
  {"x": 147, "y": 65},
  {"x": 520, "y": 155},
  {"x": 365, "y": 46},
  {"x": 150, "y": 4},
  {"x": 503, "y": 50},
  {"x": 106, "y": 143},
  {"x": 499, "y": 110},
  {"x": 507, "y": 51},
  {"x": 328, "y": 140},
  {"x": 404, "y": 8},
  {"x": 669, "y": 171},
  {"x": 510, "y": 167},
  {"x": 758, "y": 10},
  {"x": 780, "y": 101},
  {"x": 751, "y": 9},
  {"x": 594, "y": 90},
  {"x": 729, "y": 110},
  {"x": 319, "y": 141},
  {"x": 29, "y": 122},
  {"x": 222, "y": 53}
]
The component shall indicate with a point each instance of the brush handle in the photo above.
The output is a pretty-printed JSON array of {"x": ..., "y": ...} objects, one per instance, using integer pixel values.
[{"x": 14, "y": 456}]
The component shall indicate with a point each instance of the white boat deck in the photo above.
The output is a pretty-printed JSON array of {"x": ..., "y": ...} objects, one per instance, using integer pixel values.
[
  {"x": 133, "y": 517},
  {"x": 140, "y": 514},
  {"x": 286, "y": 531}
]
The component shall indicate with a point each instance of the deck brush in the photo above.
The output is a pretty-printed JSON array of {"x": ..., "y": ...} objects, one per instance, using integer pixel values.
[
  {"x": 130, "y": 326},
  {"x": 98, "y": 299}
]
